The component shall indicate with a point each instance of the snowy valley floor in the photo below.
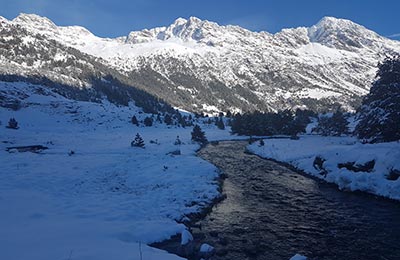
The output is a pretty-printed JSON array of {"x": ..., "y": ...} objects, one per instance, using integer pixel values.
[
  {"x": 108, "y": 199},
  {"x": 340, "y": 160}
]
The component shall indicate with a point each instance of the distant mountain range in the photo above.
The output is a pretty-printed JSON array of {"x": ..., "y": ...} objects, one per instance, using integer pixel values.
[{"x": 197, "y": 65}]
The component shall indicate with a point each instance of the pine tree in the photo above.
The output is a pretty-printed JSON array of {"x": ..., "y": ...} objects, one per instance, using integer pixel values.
[
  {"x": 380, "y": 111},
  {"x": 159, "y": 118},
  {"x": 148, "y": 121},
  {"x": 340, "y": 123},
  {"x": 138, "y": 141},
  {"x": 168, "y": 119},
  {"x": 220, "y": 123},
  {"x": 324, "y": 126},
  {"x": 198, "y": 135},
  {"x": 177, "y": 141},
  {"x": 295, "y": 127},
  {"x": 12, "y": 124},
  {"x": 336, "y": 125},
  {"x": 135, "y": 121},
  {"x": 216, "y": 120},
  {"x": 303, "y": 117},
  {"x": 182, "y": 121},
  {"x": 237, "y": 124}
]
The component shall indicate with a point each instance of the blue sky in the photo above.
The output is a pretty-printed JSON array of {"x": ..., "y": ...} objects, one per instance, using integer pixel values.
[{"x": 111, "y": 18}]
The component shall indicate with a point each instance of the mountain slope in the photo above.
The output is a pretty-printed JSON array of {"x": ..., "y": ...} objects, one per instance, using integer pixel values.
[
  {"x": 200, "y": 65},
  {"x": 35, "y": 58}
]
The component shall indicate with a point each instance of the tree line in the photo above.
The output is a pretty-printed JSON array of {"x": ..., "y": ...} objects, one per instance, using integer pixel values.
[
  {"x": 268, "y": 123},
  {"x": 378, "y": 117}
]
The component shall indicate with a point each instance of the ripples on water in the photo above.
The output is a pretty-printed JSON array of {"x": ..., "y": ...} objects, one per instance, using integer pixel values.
[{"x": 273, "y": 213}]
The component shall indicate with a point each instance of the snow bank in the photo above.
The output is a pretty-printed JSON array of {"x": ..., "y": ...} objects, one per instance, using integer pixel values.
[
  {"x": 298, "y": 257},
  {"x": 337, "y": 153},
  {"x": 108, "y": 199}
]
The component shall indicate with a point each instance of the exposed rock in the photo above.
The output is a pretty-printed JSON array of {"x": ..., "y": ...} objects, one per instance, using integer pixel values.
[
  {"x": 394, "y": 175},
  {"x": 187, "y": 246},
  {"x": 318, "y": 164},
  {"x": 29, "y": 148},
  {"x": 352, "y": 166}
]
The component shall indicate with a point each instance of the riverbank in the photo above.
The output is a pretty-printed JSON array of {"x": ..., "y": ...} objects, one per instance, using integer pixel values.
[{"x": 344, "y": 161}]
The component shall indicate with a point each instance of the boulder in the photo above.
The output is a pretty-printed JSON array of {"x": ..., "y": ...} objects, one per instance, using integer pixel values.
[
  {"x": 206, "y": 251},
  {"x": 186, "y": 247}
]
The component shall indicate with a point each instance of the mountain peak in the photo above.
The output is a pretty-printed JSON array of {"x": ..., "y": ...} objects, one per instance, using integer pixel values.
[
  {"x": 341, "y": 34},
  {"x": 330, "y": 20},
  {"x": 34, "y": 20},
  {"x": 194, "y": 20},
  {"x": 190, "y": 20},
  {"x": 180, "y": 20},
  {"x": 192, "y": 28},
  {"x": 337, "y": 23},
  {"x": 2, "y": 19}
]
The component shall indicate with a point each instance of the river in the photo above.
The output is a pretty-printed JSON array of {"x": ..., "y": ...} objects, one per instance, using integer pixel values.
[{"x": 272, "y": 212}]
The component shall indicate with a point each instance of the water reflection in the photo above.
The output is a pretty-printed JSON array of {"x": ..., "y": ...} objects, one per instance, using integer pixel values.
[{"x": 272, "y": 212}]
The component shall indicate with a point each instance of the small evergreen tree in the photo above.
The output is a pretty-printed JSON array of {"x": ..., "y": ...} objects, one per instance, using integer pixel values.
[
  {"x": 12, "y": 124},
  {"x": 177, "y": 141},
  {"x": 182, "y": 121},
  {"x": 148, "y": 121},
  {"x": 159, "y": 118},
  {"x": 220, "y": 123},
  {"x": 135, "y": 121},
  {"x": 198, "y": 135},
  {"x": 261, "y": 143},
  {"x": 138, "y": 141},
  {"x": 168, "y": 119}
]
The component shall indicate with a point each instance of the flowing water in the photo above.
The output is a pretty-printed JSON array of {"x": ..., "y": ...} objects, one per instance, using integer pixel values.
[{"x": 272, "y": 212}]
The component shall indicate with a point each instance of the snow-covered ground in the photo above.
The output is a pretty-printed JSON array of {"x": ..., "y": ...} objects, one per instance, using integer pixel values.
[
  {"x": 339, "y": 150},
  {"x": 108, "y": 199}
]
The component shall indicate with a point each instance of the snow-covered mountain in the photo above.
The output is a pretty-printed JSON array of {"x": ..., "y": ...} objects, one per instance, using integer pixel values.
[
  {"x": 30, "y": 56},
  {"x": 199, "y": 65}
]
